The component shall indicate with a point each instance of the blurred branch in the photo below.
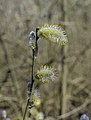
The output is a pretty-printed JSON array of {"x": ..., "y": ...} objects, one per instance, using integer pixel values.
[
  {"x": 82, "y": 52},
  {"x": 49, "y": 62},
  {"x": 67, "y": 23},
  {"x": 4, "y": 98},
  {"x": 64, "y": 65},
  {"x": 15, "y": 67},
  {"x": 74, "y": 110},
  {"x": 80, "y": 87},
  {"x": 12, "y": 73},
  {"x": 76, "y": 80},
  {"x": 11, "y": 102},
  {"x": 5, "y": 79}
]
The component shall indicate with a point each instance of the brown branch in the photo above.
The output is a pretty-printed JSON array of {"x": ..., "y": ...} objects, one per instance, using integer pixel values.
[{"x": 74, "y": 110}]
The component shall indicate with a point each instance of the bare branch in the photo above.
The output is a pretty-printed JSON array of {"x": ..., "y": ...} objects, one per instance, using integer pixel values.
[{"x": 74, "y": 110}]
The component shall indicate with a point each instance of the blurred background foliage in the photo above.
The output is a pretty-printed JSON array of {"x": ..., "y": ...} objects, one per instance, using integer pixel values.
[{"x": 70, "y": 93}]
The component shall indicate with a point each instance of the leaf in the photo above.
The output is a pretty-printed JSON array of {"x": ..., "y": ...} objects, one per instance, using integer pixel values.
[
  {"x": 53, "y": 33},
  {"x": 46, "y": 74}
]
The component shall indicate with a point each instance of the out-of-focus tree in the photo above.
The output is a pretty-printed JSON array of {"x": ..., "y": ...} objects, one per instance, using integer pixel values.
[{"x": 17, "y": 19}]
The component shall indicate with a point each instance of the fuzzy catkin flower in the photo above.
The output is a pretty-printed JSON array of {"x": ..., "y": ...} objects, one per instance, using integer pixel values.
[
  {"x": 53, "y": 33},
  {"x": 46, "y": 74},
  {"x": 84, "y": 117},
  {"x": 32, "y": 39},
  {"x": 35, "y": 98}
]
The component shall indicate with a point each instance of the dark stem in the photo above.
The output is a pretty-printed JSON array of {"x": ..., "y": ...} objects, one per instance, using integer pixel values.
[
  {"x": 26, "y": 109},
  {"x": 36, "y": 44},
  {"x": 31, "y": 86}
]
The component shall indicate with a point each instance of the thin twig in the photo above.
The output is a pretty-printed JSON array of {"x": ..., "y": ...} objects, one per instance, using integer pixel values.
[
  {"x": 34, "y": 53},
  {"x": 26, "y": 109},
  {"x": 30, "y": 90}
]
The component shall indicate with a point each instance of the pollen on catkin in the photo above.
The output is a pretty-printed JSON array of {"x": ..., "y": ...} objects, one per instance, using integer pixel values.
[
  {"x": 46, "y": 73},
  {"x": 53, "y": 33}
]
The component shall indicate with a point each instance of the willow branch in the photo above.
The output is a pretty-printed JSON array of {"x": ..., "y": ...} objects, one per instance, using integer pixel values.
[{"x": 30, "y": 89}]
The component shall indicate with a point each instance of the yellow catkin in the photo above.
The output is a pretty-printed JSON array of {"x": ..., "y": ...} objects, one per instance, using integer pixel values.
[{"x": 53, "y": 33}]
